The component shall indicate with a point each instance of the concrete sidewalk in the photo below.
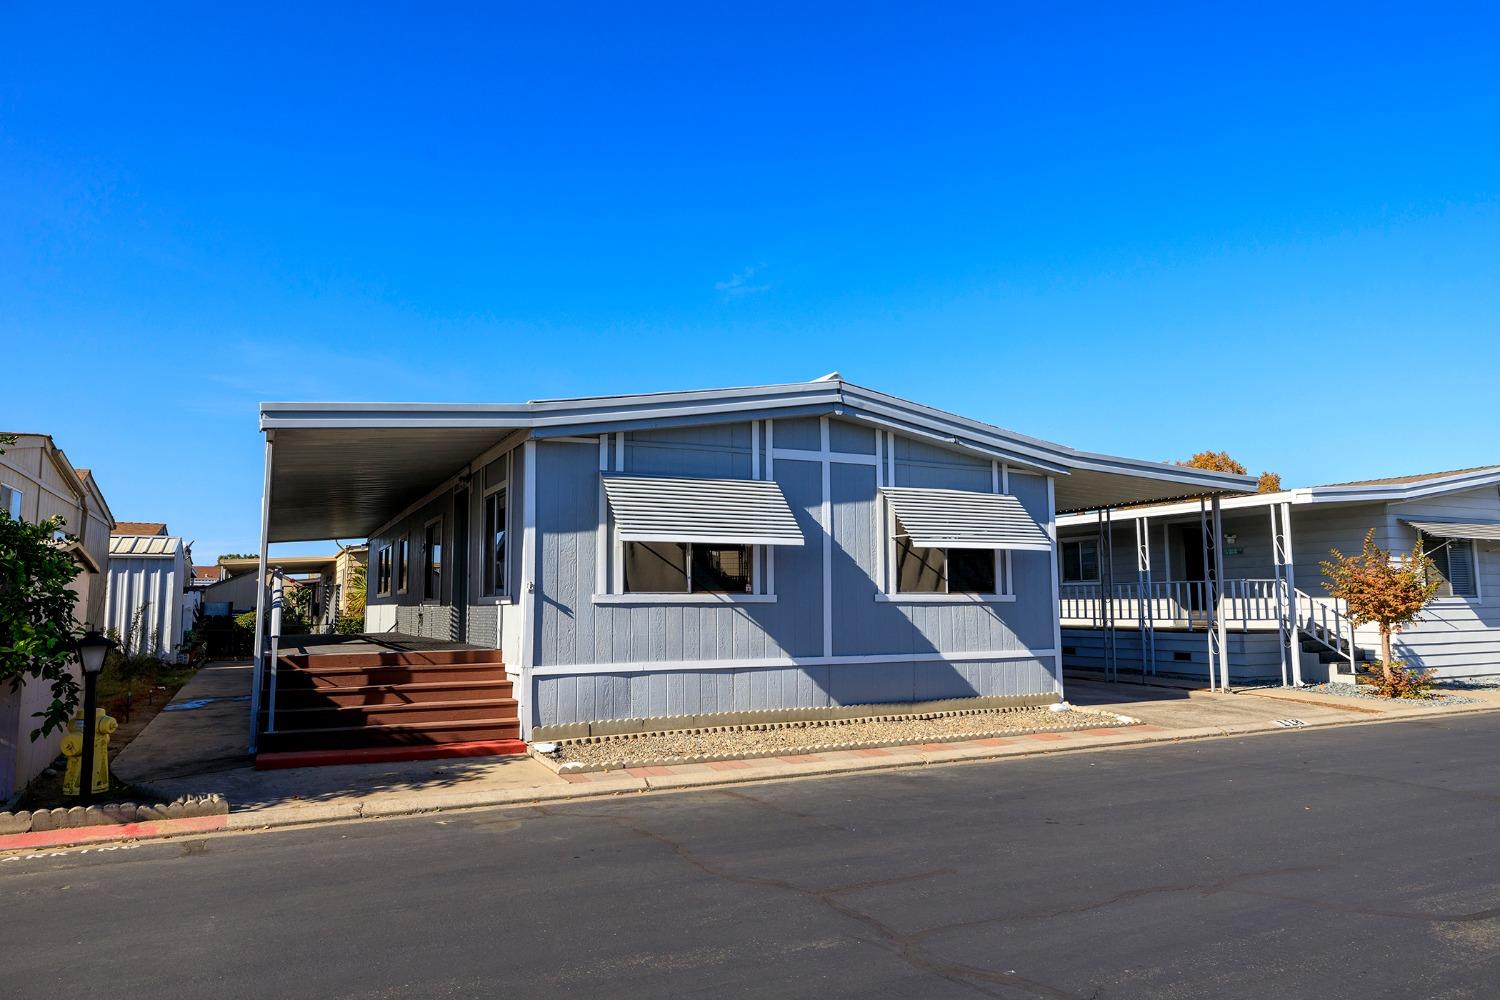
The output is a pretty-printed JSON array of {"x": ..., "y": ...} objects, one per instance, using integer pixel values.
[{"x": 202, "y": 750}]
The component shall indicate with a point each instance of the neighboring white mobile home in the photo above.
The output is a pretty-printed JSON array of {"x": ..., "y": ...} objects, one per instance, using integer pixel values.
[
  {"x": 151, "y": 599},
  {"x": 1277, "y": 618}
]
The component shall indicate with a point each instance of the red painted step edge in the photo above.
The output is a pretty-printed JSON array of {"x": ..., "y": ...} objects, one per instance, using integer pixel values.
[{"x": 386, "y": 755}]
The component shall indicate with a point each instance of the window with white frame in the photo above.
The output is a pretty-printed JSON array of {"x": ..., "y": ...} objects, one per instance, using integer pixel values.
[
  {"x": 688, "y": 568},
  {"x": 403, "y": 562},
  {"x": 10, "y": 501},
  {"x": 432, "y": 561},
  {"x": 494, "y": 543},
  {"x": 1080, "y": 561},
  {"x": 383, "y": 571},
  {"x": 1454, "y": 559}
]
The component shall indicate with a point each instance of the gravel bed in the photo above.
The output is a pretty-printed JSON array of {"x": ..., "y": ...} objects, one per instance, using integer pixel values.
[
  {"x": 773, "y": 739},
  {"x": 1439, "y": 699}
]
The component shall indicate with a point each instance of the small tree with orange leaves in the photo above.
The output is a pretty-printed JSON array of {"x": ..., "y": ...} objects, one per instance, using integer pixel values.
[{"x": 1387, "y": 593}]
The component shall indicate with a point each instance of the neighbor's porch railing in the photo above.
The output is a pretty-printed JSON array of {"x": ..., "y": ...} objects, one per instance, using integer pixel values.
[{"x": 1246, "y": 604}]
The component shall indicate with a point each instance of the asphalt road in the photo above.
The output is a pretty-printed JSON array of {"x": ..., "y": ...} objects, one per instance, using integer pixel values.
[{"x": 1358, "y": 862}]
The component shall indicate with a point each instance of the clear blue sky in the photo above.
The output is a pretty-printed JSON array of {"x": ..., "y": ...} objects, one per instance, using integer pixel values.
[{"x": 1275, "y": 232}]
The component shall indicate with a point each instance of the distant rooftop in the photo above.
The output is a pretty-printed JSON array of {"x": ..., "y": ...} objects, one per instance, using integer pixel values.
[
  {"x": 140, "y": 528},
  {"x": 1418, "y": 478}
]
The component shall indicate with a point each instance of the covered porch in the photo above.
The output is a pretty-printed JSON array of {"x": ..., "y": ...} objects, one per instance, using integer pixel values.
[{"x": 1139, "y": 584}]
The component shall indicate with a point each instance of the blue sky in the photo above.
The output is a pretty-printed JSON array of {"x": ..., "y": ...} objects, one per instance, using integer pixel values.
[{"x": 1276, "y": 232}]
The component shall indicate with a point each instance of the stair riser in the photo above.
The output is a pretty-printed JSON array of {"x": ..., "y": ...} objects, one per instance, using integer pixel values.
[
  {"x": 402, "y": 695},
  {"x": 375, "y": 715},
  {"x": 375, "y": 737},
  {"x": 445, "y": 657},
  {"x": 305, "y": 679}
]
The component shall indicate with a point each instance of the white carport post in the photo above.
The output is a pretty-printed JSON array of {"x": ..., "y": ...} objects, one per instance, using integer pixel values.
[
  {"x": 1289, "y": 571},
  {"x": 258, "y": 670}
]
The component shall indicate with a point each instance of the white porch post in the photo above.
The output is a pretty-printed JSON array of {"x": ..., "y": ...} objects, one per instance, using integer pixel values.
[
  {"x": 1143, "y": 611},
  {"x": 1285, "y": 630},
  {"x": 1219, "y": 597},
  {"x": 1057, "y": 653},
  {"x": 258, "y": 670},
  {"x": 1210, "y": 596},
  {"x": 1290, "y": 570}
]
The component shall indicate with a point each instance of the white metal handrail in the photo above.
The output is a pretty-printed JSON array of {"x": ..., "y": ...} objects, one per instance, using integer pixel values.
[
  {"x": 1326, "y": 622},
  {"x": 1171, "y": 602}
]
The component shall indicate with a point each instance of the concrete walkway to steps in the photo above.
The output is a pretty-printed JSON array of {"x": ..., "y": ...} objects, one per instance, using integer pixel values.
[{"x": 202, "y": 750}]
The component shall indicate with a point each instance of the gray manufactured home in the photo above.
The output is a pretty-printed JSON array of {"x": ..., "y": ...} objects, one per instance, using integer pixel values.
[
  {"x": 1155, "y": 565},
  {"x": 773, "y": 548}
]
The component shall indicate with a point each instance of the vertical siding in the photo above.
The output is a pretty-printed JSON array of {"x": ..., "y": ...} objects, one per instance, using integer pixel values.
[{"x": 576, "y": 630}]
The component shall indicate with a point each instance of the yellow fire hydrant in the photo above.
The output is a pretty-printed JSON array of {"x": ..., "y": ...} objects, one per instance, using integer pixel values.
[{"x": 72, "y": 748}]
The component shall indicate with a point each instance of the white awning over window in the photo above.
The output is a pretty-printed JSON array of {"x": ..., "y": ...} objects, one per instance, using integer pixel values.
[
  {"x": 958, "y": 519},
  {"x": 729, "y": 511},
  {"x": 1487, "y": 530}
]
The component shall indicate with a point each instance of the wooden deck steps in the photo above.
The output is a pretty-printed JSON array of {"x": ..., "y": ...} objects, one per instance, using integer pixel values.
[{"x": 401, "y": 705}]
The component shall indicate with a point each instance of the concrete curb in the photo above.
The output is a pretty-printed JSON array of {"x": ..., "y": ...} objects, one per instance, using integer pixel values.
[
  {"x": 620, "y": 783},
  {"x": 115, "y": 821}
]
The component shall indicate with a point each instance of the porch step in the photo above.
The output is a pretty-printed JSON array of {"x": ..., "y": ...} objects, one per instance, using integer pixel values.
[
  {"x": 411, "y": 702},
  {"x": 369, "y": 695},
  {"x": 386, "y": 755},
  {"x": 415, "y": 734},
  {"x": 321, "y": 716},
  {"x": 401, "y": 658}
]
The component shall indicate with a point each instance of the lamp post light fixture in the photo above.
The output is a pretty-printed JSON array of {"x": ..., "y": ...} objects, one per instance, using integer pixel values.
[{"x": 93, "y": 649}]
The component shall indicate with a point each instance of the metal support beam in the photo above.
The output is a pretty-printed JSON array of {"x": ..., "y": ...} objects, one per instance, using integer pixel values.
[
  {"x": 1286, "y": 627},
  {"x": 258, "y": 670},
  {"x": 1218, "y": 570},
  {"x": 1144, "y": 612},
  {"x": 278, "y": 601},
  {"x": 1289, "y": 571},
  {"x": 1210, "y": 595}
]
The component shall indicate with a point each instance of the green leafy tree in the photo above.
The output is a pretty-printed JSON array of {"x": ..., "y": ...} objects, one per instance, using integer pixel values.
[
  {"x": 351, "y": 621},
  {"x": 1390, "y": 593},
  {"x": 37, "y": 623}
]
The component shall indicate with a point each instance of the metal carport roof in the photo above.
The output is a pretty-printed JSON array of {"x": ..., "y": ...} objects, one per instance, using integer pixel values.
[{"x": 341, "y": 470}]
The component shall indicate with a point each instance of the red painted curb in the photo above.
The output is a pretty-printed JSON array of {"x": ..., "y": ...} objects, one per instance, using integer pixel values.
[
  {"x": 113, "y": 831},
  {"x": 387, "y": 755}
]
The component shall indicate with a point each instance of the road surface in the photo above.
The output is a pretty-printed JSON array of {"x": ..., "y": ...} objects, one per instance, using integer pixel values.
[{"x": 1358, "y": 862}]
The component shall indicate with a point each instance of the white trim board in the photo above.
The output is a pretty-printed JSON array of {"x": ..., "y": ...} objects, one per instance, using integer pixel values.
[{"x": 766, "y": 663}]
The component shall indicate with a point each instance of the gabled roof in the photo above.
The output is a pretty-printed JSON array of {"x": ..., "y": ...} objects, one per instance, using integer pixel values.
[
  {"x": 343, "y": 469},
  {"x": 144, "y": 528}
]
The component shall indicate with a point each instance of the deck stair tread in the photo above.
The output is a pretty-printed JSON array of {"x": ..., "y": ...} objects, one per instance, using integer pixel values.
[{"x": 413, "y": 699}]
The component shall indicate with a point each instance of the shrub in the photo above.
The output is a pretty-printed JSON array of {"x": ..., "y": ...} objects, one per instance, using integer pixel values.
[
  {"x": 37, "y": 627},
  {"x": 1401, "y": 681},
  {"x": 1389, "y": 593}
]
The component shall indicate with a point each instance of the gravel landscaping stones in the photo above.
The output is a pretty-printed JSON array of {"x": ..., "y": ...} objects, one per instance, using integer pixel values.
[
  {"x": 1439, "y": 699},
  {"x": 775, "y": 739}
]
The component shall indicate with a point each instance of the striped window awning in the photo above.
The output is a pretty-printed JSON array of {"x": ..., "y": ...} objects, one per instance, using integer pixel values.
[
  {"x": 940, "y": 519},
  {"x": 727, "y": 511},
  {"x": 1487, "y": 530}
]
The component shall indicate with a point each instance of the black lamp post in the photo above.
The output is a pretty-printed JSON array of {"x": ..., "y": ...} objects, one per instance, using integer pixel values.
[{"x": 92, "y": 650}]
